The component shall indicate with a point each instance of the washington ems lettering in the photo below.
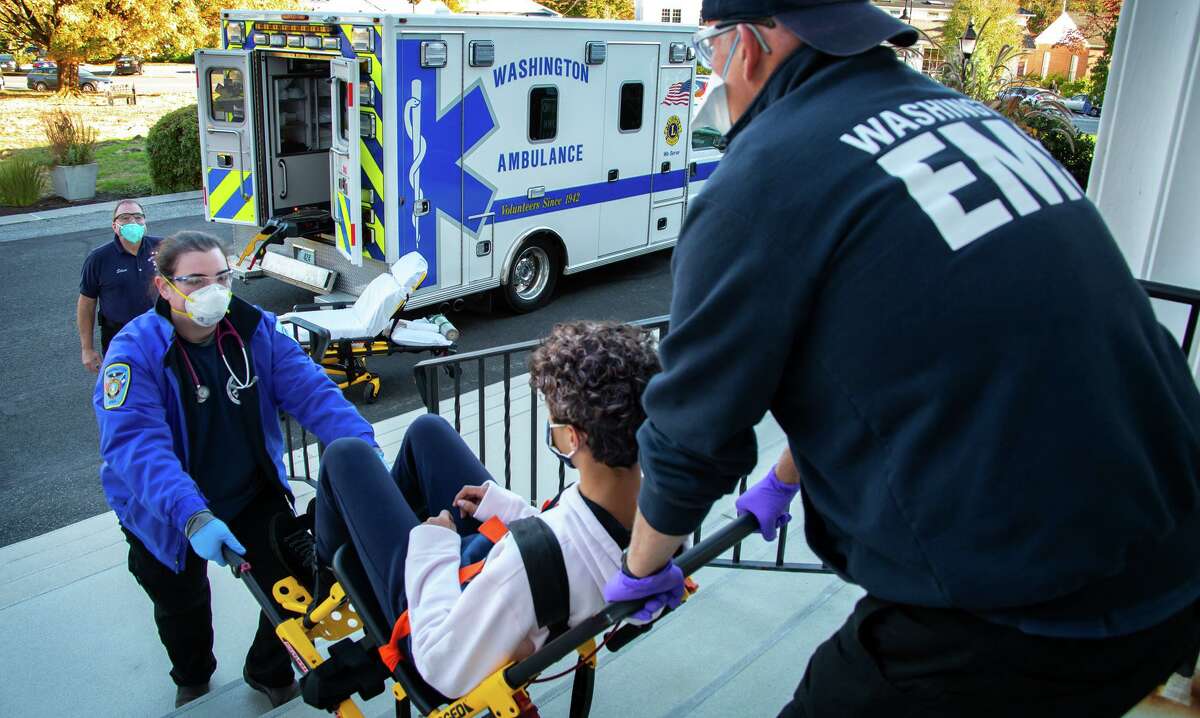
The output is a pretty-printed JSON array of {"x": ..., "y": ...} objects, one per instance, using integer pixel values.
[
  {"x": 539, "y": 157},
  {"x": 1013, "y": 161},
  {"x": 540, "y": 67}
]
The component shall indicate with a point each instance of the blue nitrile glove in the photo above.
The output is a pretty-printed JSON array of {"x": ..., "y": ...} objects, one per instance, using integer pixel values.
[
  {"x": 662, "y": 589},
  {"x": 768, "y": 500},
  {"x": 207, "y": 541},
  {"x": 386, "y": 465}
]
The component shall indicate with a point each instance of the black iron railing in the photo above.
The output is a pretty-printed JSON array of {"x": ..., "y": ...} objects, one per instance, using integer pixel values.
[
  {"x": 500, "y": 363},
  {"x": 1178, "y": 295},
  {"x": 442, "y": 380}
]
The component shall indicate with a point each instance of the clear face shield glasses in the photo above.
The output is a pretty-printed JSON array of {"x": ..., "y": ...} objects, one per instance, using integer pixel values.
[{"x": 703, "y": 40}]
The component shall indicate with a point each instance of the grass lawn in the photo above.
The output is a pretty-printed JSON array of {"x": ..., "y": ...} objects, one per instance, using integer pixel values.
[
  {"x": 121, "y": 153},
  {"x": 122, "y": 165}
]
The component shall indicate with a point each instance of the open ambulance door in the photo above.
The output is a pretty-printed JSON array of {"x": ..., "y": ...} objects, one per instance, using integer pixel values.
[
  {"x": 225, "y": 101},
  {"x": 345, "y": 174}
]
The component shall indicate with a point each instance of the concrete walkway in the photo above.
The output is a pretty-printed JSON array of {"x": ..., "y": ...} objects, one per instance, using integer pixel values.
[
  {"x": 33, "y": 225},
  {"x": 80, "y": 638}
]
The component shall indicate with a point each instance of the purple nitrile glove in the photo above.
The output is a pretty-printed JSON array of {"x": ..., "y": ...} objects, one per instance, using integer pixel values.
[
  {"x": 768, "y": 500},
  {"x": 662, "y": 589}
]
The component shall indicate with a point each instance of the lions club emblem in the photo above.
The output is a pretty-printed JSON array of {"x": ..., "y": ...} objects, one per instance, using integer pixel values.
[{"x": 673, "y": 130}]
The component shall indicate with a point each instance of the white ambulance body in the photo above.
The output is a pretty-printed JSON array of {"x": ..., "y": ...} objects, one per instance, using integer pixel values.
[{"x": 505, "y": 150}]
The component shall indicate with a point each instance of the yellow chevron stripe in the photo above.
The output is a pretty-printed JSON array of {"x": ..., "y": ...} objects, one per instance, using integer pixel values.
[
  {"x": 246, "y": 213},
  {"x": 220, "y": 194},
  {"x": 343, "y": 235}
]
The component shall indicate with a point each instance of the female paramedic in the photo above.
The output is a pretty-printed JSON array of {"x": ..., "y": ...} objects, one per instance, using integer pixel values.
[
  {"x": 188, "y": 403},
  {"x": 592, "y": 376}
]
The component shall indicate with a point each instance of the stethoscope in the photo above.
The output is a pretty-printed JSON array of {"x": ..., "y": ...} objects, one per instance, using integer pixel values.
[{"x": 224, "y": 329}]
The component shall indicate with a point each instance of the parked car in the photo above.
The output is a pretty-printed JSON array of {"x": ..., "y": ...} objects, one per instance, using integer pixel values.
[
  {"x": 43, "y": 64},
  {"x": 1022, "y": 92},
  {"x": 1081, "y": 104},
  {"x": 88, "y": 82},
  {"x": 127, "y": 65},
  {"x": 8, "y": 63}
]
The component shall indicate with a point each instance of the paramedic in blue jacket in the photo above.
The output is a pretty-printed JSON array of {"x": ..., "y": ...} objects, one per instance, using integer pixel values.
[
  {"x": 188, "y": 402},
  {"x": 989, "y": 430}
]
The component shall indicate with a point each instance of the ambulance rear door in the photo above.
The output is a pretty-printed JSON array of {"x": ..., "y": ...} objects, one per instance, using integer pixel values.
[
  {"x": 225, "y": 104},
  {"x": 345, "y": 173}
]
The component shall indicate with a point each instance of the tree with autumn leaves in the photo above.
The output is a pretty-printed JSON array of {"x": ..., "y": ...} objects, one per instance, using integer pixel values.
[
  {"x": 72, "y": 32},
  {"x": 1097, "y": 18}
]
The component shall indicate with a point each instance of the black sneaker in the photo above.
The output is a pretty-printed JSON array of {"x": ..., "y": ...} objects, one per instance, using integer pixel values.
[
  {"x": 277, "y": 696},
  {"x": 294, "y": 546},
  {"x": 187, "y": 694}
]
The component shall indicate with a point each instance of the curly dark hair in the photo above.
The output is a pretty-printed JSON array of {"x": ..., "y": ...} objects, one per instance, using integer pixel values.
[{"x": 593, "y": 375}]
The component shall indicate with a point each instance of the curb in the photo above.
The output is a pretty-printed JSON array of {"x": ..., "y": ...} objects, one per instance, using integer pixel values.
[{"x": 32, "y": 225}]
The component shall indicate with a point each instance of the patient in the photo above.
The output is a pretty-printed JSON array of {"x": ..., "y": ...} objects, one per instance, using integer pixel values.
[{"x": 415, "y": 528}]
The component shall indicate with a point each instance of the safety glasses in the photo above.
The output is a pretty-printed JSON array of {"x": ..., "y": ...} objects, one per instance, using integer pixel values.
[
  {"x": 129, "y": 217},
  {"x": 197, "y": 281},
  {"x": 703, "y": 39}
]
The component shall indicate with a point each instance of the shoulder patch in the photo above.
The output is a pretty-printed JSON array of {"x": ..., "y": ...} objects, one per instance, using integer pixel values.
[{"x": 116, "y": 385}]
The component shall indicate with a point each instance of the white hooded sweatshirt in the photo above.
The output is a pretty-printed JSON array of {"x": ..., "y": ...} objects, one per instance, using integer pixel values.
[{"x": 460, "y": 636}]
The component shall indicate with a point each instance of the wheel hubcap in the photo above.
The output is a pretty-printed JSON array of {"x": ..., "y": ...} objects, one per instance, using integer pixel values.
[{"x": 531, "y": 273}]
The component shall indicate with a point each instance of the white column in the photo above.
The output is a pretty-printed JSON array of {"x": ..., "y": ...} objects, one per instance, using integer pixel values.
[{"x": 1146, "y": 175}]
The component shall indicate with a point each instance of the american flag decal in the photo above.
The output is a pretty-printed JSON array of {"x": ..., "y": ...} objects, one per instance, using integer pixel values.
[{"x": 679, "y": 93}]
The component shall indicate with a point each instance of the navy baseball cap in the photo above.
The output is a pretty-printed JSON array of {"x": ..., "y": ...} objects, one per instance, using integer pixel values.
[{"x": 835, "y": 27}]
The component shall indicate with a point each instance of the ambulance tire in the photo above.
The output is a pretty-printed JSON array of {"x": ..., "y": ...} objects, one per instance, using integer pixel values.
[{"x": 533, "y": 275}]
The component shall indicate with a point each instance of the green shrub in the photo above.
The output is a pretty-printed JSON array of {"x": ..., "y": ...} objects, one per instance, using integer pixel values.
[
  {"x": 173, "y": 147},
  {"x": 1074, "y": 150},
  {"x": 21, "y": 182}
]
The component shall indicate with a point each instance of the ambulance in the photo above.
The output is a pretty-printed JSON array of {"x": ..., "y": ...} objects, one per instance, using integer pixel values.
[{"x": 507, "y": 151}]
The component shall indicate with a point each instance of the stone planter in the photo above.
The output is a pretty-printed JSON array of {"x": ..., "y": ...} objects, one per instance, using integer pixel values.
[{"x": 74, "y": 182}]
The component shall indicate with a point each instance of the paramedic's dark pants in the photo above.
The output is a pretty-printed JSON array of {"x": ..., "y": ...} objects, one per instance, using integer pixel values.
[
  {"x": 358, "y": 502},
  {"x": 183, "y": 609},
  {"x": 896, "y": 661}
]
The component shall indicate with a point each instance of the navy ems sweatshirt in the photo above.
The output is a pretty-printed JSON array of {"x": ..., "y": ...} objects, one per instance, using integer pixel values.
[{"x": 984, "y": 410}]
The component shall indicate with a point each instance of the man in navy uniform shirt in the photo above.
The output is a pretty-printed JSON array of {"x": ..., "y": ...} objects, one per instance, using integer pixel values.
[
  {"x": 118, "y": 277},
  {"x": 991, "y": 433}
]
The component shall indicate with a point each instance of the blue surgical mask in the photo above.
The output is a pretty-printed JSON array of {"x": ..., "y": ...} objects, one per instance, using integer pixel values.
[
  {"x": 133, "y": 232},
  {"x": 565, "y": 458}
]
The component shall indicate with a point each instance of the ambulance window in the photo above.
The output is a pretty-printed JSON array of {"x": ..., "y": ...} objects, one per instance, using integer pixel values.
[
  {"x": 543, "y": 113},
  {"x": 704, "y": 137},
  {"x": 343, "y": 111},
  {"x": 228, "y": 94},
  {"x": 630, "y": 118}
]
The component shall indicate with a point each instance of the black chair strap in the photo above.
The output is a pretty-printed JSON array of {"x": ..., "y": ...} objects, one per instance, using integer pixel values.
[{"x": 547, "y": 572}]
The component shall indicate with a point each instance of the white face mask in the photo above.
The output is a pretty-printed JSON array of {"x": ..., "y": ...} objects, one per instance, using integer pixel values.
[
  {"x": 714, "y": 108},
  {"x": 206, "y": 306}
]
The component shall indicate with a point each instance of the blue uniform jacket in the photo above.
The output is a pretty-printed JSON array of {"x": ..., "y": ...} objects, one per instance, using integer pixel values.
[
  {"x": 143, "y": 436},
  {"x": 984, "y": 410}
]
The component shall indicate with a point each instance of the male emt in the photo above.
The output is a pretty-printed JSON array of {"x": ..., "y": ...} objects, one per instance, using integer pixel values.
[
  {"x": 117, "y": 276},
  {"x": 991, "y": 433}
]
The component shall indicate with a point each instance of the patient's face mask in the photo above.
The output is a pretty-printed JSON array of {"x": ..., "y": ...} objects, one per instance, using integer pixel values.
[{"x": 565, "y": 458}]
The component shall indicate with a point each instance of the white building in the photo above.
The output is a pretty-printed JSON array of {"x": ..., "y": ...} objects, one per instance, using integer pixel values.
[{"x": 686, "y": 12}]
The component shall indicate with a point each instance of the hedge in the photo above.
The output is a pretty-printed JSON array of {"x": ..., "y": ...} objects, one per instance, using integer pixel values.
[{"x": 173, "y": 148}]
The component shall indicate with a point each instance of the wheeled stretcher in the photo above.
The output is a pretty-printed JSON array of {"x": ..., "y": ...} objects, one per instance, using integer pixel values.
[
  {"x": 351, "y": 606},
  {"x": 341, "y": 335}
]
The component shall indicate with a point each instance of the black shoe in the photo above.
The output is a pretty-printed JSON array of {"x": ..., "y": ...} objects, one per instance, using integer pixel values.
[
  {"x": 294, "y": 546},
  {"x": 277, "y": 696},
  {"x": 187, "y": 694}
]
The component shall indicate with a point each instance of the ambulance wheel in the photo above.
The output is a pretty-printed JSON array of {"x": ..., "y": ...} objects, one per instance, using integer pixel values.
[
  {"x": 371, "y": 392},
  {"x": 533, "y": 275}
]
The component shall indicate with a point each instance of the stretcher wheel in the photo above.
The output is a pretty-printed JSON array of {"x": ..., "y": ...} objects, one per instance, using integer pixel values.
[{"x": 371, "y": 392}]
